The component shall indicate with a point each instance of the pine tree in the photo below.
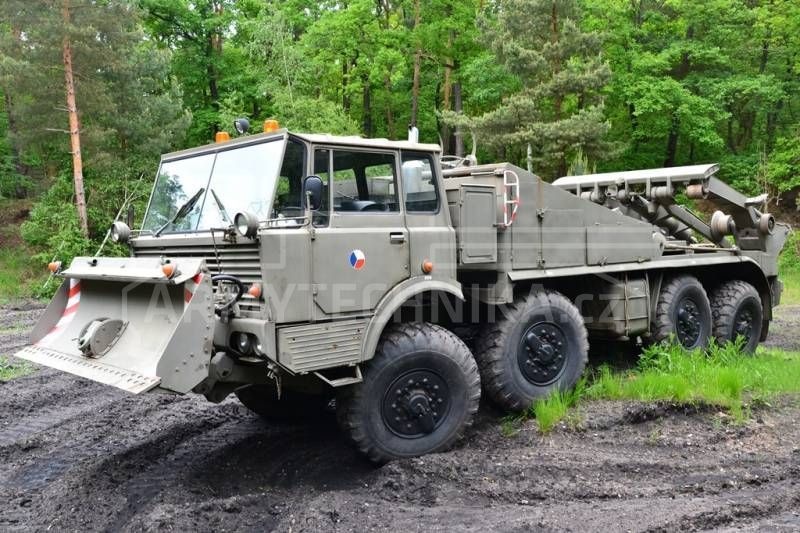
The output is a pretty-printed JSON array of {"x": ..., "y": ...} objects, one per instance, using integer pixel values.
[
  {"x": 92, "y": 56},
  {"x": 559, "y": 108}
]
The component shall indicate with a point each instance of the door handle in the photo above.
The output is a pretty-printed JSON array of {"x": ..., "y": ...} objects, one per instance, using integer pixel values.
[{"x": 397, "y": 237}]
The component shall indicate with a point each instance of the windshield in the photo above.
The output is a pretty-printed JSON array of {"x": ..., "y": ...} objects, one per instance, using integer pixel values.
[{"x": 241, "y": 179}]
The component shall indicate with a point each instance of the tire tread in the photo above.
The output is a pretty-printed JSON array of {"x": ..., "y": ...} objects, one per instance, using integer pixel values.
[
  {"x": 490, "y": 348},
  {"x": 724, "y": 304},
  {"x": 351, "y": 403}
]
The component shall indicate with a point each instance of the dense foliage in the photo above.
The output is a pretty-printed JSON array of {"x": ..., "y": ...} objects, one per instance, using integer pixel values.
[{"x": 605, "y": 84}]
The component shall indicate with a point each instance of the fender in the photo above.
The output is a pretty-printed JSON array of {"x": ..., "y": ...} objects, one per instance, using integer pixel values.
[{"x": 401, "y": 293}]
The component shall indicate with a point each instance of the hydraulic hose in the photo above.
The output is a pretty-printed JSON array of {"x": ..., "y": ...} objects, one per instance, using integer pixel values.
[{"x": 239, "y": 287}]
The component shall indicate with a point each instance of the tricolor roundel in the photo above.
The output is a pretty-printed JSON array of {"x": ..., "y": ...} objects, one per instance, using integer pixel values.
[{"x": 357, "y": 259}]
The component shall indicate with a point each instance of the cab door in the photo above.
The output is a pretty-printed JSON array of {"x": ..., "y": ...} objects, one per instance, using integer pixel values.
[
  {"x": 361, "y": 250},
  {"x": 432, "y": 237}
]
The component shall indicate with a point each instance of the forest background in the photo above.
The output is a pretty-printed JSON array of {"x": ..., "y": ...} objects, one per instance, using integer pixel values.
[{"x": 93, "y": 91}]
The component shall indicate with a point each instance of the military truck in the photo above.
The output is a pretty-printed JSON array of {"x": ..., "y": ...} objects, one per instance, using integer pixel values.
[{"x": 299, "y": 271}]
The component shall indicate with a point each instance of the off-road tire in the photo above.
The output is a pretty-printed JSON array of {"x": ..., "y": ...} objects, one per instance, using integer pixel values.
[
  {"x": 736, "y": 310},
  {"x": 683, "y": 313},
  {"x": 292, "y": 405},
  {"x": 408, "y": 353},
  {"x": 499, "y": 350}
]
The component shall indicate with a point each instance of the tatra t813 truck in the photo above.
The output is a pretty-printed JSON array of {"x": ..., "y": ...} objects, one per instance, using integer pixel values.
[{"x": 294, "y": 269}]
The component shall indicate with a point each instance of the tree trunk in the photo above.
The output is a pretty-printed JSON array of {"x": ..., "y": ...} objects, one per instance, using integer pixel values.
[
  {"x": 366, "y": 104},
  {"x": 558, "y": 100},
  {"x": 74, "y": 128},
  {"x": 20, "y": 170},
  {"x": 415, "y": 88},
  {"x": 13, "y": 125},
  {"x": 387, "y": 83},
  {"x": 417, "y": 66},
  {"x": 345, "y": 97},
  {"x": 672, "y": 141},
  {"x": 458, "y": 107},
  {"x": 634, "y": 124},
  {"x": 447, "y": 91}
]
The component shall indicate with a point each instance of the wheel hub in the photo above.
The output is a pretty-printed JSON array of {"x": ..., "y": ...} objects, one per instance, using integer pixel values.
[
  {"x": 542, "y": 353},
  {"x": 688, "y": 323},
  {"x": 743, "y": 323},
  {"x": 416, "y": 403}
]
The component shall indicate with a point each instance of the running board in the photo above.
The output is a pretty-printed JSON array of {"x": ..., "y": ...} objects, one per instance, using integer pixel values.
[{"x": 93, "y": 369}]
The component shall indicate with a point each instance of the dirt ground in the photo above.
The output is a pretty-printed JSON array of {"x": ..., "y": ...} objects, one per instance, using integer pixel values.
[{"x": 75, "y": 455}]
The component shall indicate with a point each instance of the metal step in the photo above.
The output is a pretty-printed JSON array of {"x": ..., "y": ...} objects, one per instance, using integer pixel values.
[{"x": 90, "y": 368}]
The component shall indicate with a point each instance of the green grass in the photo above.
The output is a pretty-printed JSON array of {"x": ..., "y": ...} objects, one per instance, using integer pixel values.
[
  {"x": 551, "y": 410},
  {"x": 10, "y": 370},
  {"x": 722, "y": 377},
  {"x": 17, "y": 271},
  {"x": 791, "y": 287}
]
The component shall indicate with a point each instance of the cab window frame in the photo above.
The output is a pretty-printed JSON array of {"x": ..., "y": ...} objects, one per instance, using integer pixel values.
[
  {"x": 395, "y": 154},
  {"x": 436, "y": 180},
  {"x": 303, "y": 172}
]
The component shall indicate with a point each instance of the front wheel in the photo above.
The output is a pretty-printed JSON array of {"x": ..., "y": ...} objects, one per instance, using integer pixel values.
[{"x": 419, "y": 392}]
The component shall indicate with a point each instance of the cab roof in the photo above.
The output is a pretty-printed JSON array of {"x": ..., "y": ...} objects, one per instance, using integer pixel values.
[{"x": 314, "y": 138}]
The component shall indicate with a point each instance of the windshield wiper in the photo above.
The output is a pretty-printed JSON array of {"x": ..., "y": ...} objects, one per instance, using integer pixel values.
[
  {"x": 221, "y": 207},
  {"x": 184, "y": 210}
]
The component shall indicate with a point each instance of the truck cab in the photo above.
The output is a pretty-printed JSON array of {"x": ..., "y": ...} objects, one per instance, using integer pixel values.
[{"x": 381, "y": 219}]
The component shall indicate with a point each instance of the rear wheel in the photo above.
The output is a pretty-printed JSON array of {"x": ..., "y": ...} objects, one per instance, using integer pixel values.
[
  {"x": 683, "y": 313},
  {"x": 737, "y": 312},
  {"x": 419, "y": 393},
  {"x": 540, "y": 345},
  {"x": 263, "y": 400}
]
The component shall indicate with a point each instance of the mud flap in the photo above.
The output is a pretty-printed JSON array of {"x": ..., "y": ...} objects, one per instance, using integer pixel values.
[{"x": 121, "y": 322}]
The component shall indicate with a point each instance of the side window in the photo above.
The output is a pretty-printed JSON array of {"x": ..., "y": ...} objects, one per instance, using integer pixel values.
[
  {"x": 364, "y": 182},
  {"x": 321, "y": 169},
  {"x": 290, "y": 183},
  {"x": 419, "y": 183}
]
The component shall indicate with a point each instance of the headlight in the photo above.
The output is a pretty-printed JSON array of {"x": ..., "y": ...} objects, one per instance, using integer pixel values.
[
  {"x": 120, "y": 232},
  {"x": 246, "y": 224},
  {"x": 242, "y": 342},
  {"x": 241, "y": 125}
]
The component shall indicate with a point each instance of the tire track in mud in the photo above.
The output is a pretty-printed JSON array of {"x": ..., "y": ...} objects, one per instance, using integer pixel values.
[
  {"x": 79, "y": 456},
  {"x": 739, "y": 509},
  {"x": 46, "y": 420}
]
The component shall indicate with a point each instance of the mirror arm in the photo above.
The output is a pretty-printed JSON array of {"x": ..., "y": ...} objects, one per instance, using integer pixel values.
[{"x": 309, "y": 220}]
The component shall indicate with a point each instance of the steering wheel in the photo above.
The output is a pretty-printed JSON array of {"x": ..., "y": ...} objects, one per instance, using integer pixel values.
[{"x": 374, "y": 206}]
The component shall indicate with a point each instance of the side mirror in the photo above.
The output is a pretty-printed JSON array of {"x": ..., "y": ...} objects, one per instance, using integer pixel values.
[{"x": 313, "y": 190}]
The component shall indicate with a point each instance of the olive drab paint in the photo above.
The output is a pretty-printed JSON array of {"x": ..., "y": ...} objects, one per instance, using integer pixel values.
[{"x": 332, "y": 279}]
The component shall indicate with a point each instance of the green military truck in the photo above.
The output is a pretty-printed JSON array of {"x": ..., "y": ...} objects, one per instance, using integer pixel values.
[{"x": 291, "y": 269}]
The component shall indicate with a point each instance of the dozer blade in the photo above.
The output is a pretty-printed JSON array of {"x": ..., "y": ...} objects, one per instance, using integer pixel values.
[{"x": 123, "y": 323}]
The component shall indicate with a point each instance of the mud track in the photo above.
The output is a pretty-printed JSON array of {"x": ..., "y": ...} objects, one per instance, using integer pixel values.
[{"x": 75, "y": 455}]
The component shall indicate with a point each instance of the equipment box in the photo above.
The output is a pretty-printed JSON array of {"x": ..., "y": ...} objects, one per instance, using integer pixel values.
[{"x": 473, "y": 210}]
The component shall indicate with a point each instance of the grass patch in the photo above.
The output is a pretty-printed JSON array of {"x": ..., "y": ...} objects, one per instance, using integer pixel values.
[
  {"x": 17, "y": 272},
  {"x": 789, "y": 267},
  {"x": 10, "y": 370},
  {"x": 551, "y": 410},
  {"x": 791, "y": 287},
  {"x": 721, "y": 376}
]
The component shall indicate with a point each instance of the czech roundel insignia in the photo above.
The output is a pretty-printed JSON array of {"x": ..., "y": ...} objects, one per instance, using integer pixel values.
[{"x": 357, "y": 259}]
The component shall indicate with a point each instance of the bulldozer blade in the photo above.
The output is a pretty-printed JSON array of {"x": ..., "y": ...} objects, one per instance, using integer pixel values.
[{"x": 132, "y": 334}]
